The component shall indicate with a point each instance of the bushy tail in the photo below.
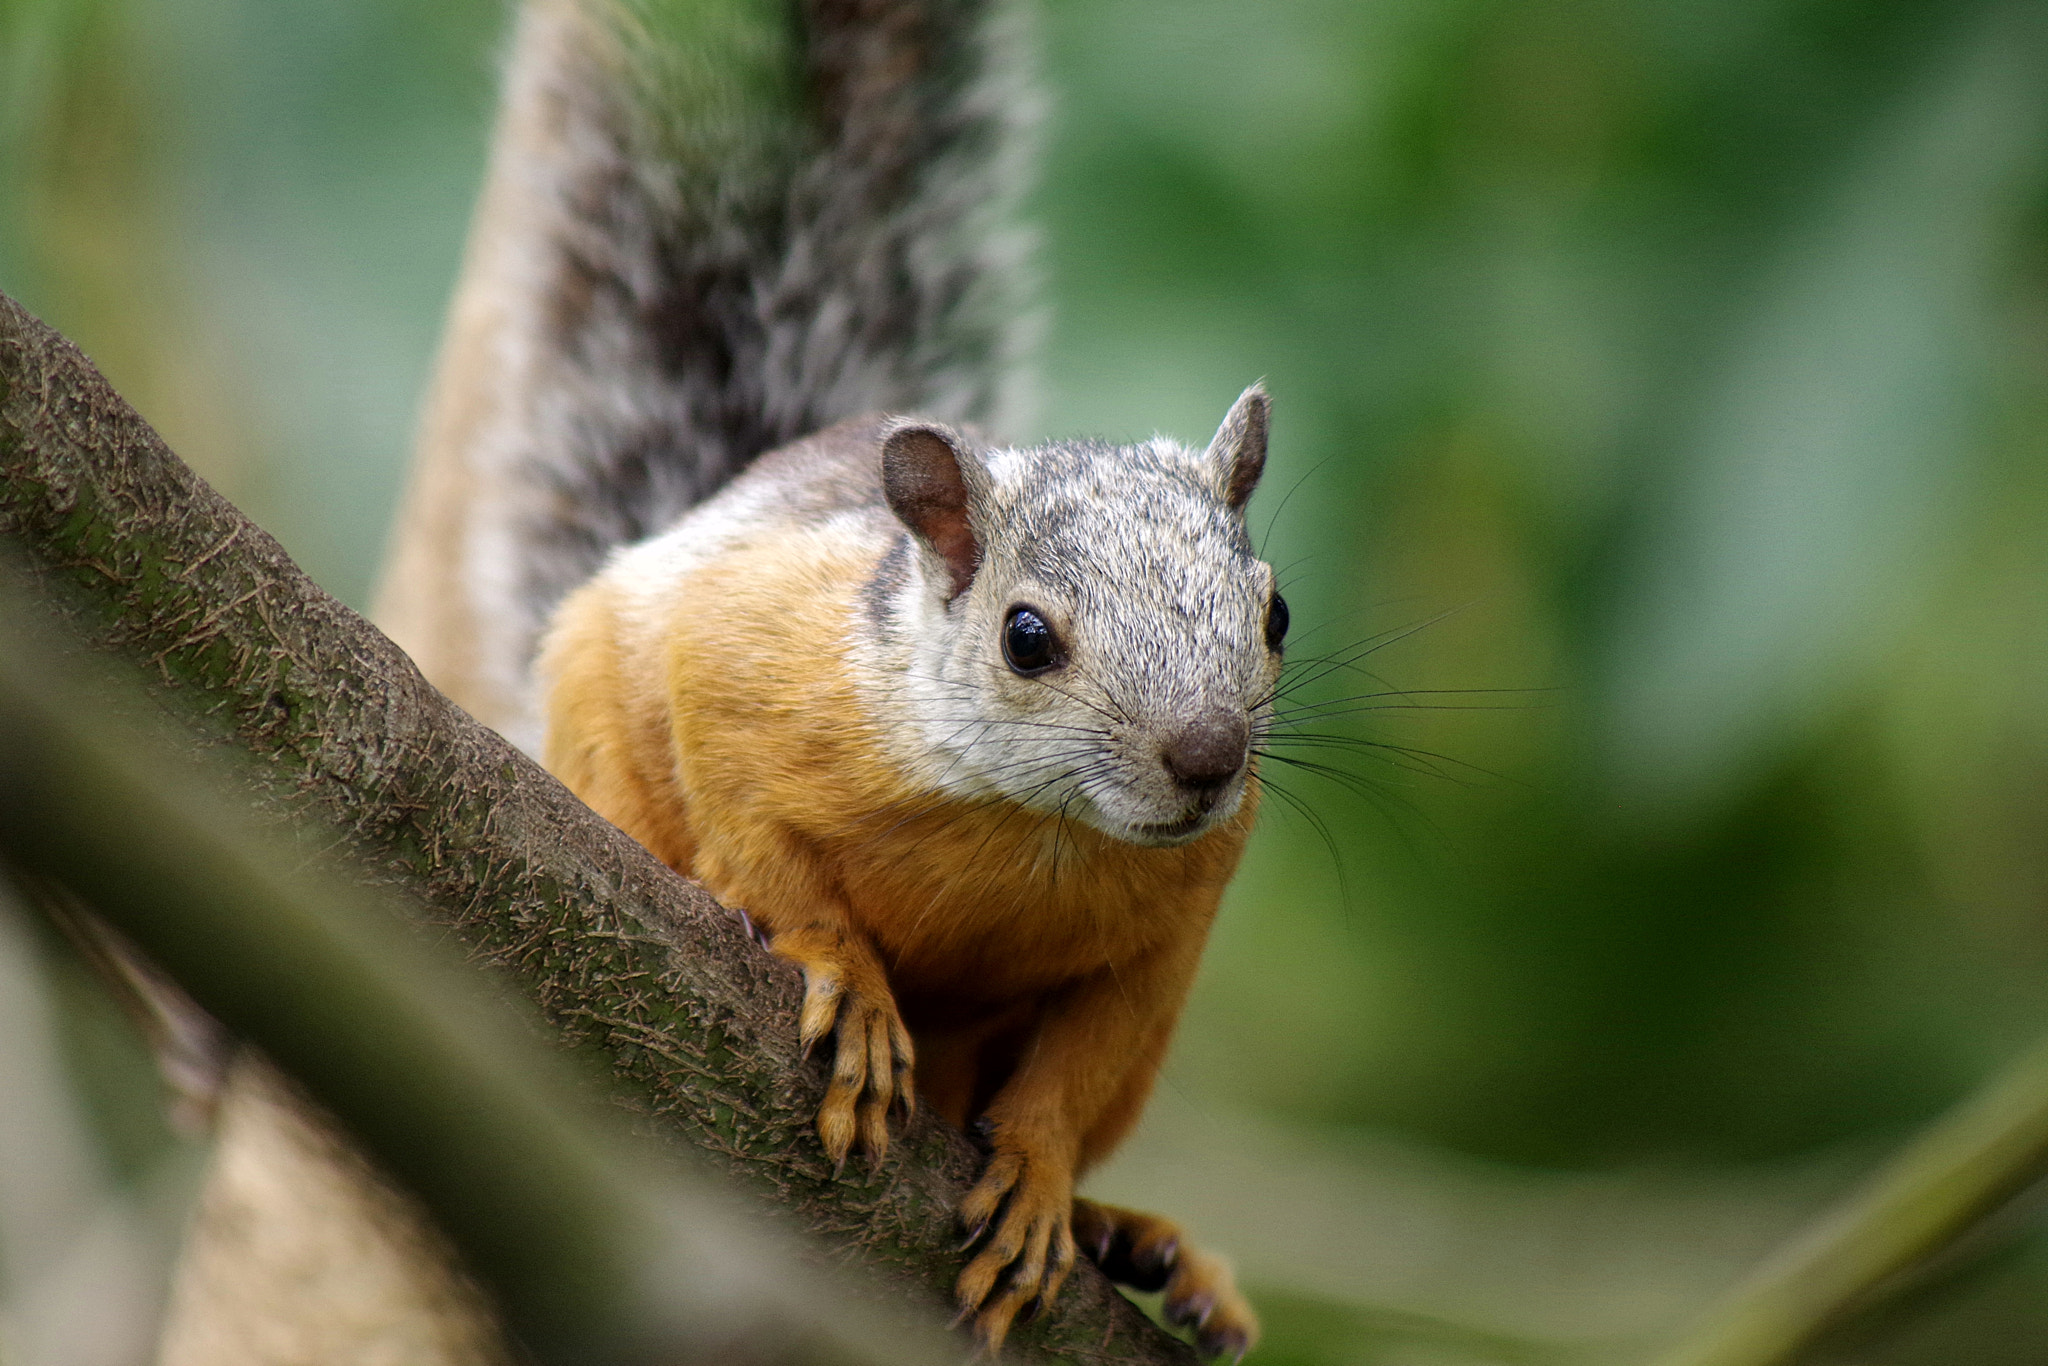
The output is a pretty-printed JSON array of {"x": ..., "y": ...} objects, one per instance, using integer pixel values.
[{"x": 709, "y": 227}]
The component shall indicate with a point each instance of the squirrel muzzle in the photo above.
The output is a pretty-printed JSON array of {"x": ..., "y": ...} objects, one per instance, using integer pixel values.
[{"x": 1204, "y": 755}]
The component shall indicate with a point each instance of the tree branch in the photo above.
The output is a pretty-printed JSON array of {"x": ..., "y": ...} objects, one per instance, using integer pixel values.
[
  {"x": 341, "y": 741},
  {"x": 598, "y": 1253}
]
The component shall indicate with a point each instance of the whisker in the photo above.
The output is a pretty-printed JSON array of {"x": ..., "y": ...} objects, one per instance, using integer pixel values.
[
  {"x": 1382, "y": 748},
  {"x": 1299, "y": 674},
  {"x": 1441, "y": 692},
  {"x": 1356, "y": 783},
  {"x": 1421, "y": 763},
  {"x": 1288, "y": 497},
  {"x": 1120, "y": 715},
  {"x": 1323, "y": 832},
  {"x": 927, "y": 801},
  {"x": 996, "y": 868},
  {"x": 1383, "y": 799}
]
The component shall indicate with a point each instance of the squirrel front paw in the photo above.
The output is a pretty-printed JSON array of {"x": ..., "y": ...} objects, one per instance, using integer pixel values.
[
  {"x": 847, "y": 997},
  {"x": 1020, "y": 1214},
  {"x": 1147, "y": 1252}
]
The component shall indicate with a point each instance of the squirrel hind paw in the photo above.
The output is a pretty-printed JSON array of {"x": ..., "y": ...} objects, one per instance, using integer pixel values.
[
  {"x": 1131, "y": 1248},
  {"x": 1202, "y": 1296},
  {"x": 1147, "y": 1252}
]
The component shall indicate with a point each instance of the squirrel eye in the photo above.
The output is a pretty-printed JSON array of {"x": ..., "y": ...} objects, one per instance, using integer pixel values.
[
  {"x": 1276, "y": 622},
  {"x": 1028, "y": 643}
]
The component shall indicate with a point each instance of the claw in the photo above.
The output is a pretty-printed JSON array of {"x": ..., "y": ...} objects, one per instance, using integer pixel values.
[
  {"x": 822, "y": 992},
  {"x": 874, "y": 1107},
  {"x": 978, "y": 1280},
  {"x": 1231, "y": 1342},
  {"x": 1191, "y": 1312},
  {"x": 835, "y": 1131},
  {"x": 754, "y": 932},
  {"x": 993, "y": 1324},
  {"x": 903, "y": 1070},
  {"x": 1062, "y": 1265}
]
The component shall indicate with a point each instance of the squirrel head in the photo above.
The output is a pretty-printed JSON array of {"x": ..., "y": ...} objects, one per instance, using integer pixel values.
[{"x": 1085, "y": 628}]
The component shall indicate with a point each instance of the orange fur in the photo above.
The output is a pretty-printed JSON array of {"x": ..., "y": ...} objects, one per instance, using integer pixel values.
[{"x": 1038, "y": 964}]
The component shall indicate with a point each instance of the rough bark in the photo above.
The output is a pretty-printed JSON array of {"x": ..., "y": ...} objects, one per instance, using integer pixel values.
[{"x": 341, "y": 739}]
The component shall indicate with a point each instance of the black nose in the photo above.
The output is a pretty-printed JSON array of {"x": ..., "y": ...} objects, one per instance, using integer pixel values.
[{"x": 1208, "y": 751}]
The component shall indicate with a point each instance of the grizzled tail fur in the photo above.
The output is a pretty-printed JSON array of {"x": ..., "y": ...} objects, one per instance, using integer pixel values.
[{"x": 709, "y": 227}]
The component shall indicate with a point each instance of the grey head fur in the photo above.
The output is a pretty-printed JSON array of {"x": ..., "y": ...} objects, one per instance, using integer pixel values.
[{"x": 1138, "y": 561}]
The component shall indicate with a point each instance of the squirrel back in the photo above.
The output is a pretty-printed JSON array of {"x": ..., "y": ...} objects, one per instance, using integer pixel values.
[{"x": 705, "y": 231}]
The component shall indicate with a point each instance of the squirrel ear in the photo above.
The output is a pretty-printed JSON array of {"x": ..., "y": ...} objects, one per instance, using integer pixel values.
[
  {"x": 924, "y": 479},
  {"x": 1239, "y": 451}
]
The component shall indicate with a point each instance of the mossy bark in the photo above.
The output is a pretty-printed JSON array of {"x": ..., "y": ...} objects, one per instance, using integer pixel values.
[{"x": 340, "y": 739}]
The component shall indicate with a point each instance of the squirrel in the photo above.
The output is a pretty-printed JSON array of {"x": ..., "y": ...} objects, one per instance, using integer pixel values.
[{"x": 969, "y": 730}]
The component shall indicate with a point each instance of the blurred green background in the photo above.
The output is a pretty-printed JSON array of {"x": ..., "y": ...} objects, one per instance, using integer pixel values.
[{"x": 1661, "y": 461}]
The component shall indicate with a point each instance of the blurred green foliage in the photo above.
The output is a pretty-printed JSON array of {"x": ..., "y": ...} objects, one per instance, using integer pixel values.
[
  {"x": 1679, "y": 361},
  {"x": 1662, "y": 446}
]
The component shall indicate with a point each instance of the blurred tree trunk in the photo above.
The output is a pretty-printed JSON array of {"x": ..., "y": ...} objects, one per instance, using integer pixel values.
[
  {"x": 341, "y": 743},
  {"x": 301, "y": 1251}
]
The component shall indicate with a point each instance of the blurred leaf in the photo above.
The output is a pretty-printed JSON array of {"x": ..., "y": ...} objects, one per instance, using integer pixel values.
[{"x": 1830, "y": 455}]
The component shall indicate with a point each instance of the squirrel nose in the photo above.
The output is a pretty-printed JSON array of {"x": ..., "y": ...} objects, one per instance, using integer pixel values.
[{"x": 1208, "y": 751}]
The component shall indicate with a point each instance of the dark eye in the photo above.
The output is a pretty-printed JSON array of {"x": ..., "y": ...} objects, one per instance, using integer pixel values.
[
  {"x": 1276, "y": 623},
  {"x": 1029, "y": 645}
]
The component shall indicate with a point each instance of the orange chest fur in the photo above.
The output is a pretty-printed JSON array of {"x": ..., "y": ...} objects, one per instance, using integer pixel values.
[{"x": 750, "y": 737}]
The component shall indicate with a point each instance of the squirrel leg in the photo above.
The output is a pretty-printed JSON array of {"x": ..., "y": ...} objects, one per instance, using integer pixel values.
[
  {"x": 1147, "y": 1252},
  {"x": 846, "y": 995},
  {"x": 1020, "y": 1214},
  {"x": 757, "y": 864},
  {"x": 1096, "y": 1040}
]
